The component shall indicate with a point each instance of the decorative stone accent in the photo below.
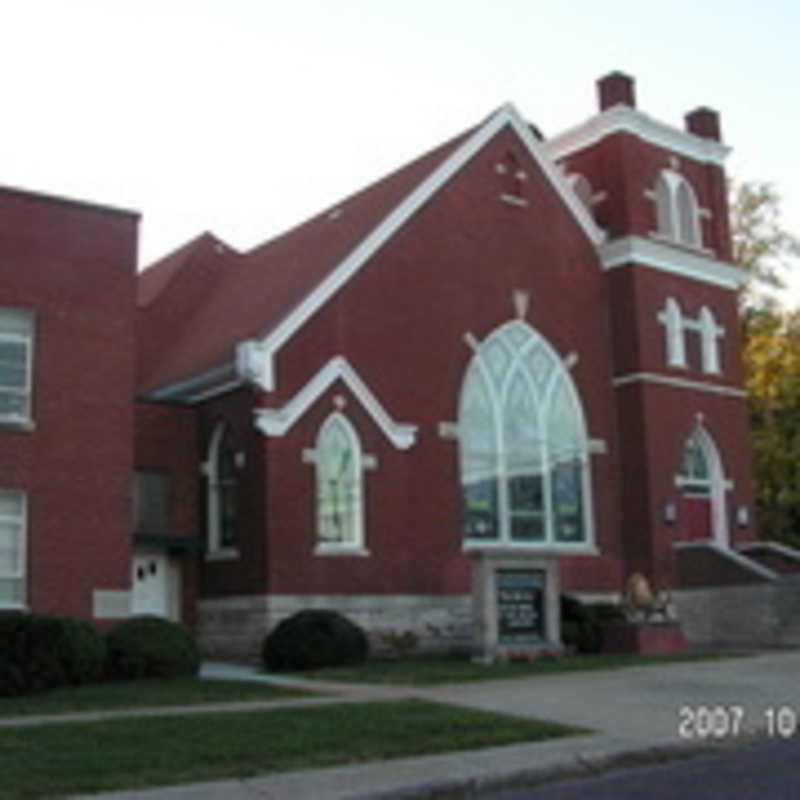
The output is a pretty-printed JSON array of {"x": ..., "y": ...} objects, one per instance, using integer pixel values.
[
  {"x": 516, "y": 604},
  {"x": 234, "y": 627}
]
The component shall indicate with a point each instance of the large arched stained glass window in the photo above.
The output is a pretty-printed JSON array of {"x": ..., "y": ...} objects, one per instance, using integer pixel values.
[{"x": 523, "y": 444}]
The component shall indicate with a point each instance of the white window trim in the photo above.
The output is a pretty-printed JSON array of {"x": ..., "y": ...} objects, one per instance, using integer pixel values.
[
  {"x": 587, "y": 545},
  {"x": 278, "y": 421},
  {"x": 21, "y": 573},
  {"x": 718, "y": 484},
  {"x": 671, "y": 317},
  {"x": 710, "y": 333},
  {"x": 705, "y": 324},
  {"x": 215, "y": 550},
  {"x": 23, "y": 421},
  {"x": 354, "y": 545},
  {"x": 674, "y": 183}
]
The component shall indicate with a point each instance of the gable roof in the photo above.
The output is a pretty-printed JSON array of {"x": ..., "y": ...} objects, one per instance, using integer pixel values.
[
  {"x": 274, "y": 289},
  {"x": 158, "y": 275}
]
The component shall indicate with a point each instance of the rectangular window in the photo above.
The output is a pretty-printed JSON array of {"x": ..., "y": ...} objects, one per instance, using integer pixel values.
[
  {"x": 151, "y": 503},
  {"x": 13, "y": 513},
  {"x": 16, "y": 365}
]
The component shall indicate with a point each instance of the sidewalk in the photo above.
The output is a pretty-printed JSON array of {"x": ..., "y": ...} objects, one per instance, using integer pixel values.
[{"x": 636, "y": 712}]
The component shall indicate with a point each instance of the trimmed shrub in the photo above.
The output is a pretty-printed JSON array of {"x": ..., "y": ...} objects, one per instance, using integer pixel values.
[
  {"x": 582, "y": 624},
  {"x": 150, "y": 647},
  {"x": 314, "y": 638},
  {"x": 40, "y": 652}
]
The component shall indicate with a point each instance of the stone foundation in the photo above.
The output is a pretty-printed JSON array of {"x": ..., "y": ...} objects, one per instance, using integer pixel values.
[
  {"x": 234, "y": 627},
  {"x": 765, "y": 614}
]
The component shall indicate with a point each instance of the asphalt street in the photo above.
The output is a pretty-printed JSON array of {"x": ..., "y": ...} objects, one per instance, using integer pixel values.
[{"x": 770, "y": 770}]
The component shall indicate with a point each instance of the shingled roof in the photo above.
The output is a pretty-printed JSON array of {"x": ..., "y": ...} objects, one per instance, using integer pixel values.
[
  {"x": 198, "y": 304},
  {"x": 247, "y": 294}
]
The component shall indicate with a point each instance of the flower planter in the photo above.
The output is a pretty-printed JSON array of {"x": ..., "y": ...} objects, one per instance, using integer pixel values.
[{"x": 646, "y": 638}]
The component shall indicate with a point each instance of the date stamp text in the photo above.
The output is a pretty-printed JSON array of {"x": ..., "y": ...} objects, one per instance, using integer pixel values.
[{"x": 730, "y": 721}]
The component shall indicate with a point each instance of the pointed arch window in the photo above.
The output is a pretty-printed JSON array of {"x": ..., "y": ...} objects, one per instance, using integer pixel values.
[
  {"x": 701, "y": 477},
  {"x": 340, "y": 491},
  {"x": 222, "y": 499},
  {"x": 671, "y": 317},
  {"x": 677, "y": 210},
  {"x": 710, "y": 334},
  {"x": 523, "y": 445},
  {"x": 694, "y": 475}
]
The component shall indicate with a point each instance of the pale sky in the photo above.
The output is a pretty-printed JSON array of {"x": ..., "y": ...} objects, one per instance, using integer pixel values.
[{"x": 246, "y": 117}]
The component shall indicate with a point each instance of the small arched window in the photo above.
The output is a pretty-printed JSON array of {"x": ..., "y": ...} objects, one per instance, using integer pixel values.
[
  {"x": 710, "y": 334},
  {"x": 523, "y": 445},
  {"x": 694, "y": 475},
  {"x": 688, "y": 223},
  {"x": 222, "y": 501},
  {"x": 672, "y": 319},
  {"x": 677, "y": 210},
  {"x": 339, "y": 478},
  {"x": 583, "y": 189}
]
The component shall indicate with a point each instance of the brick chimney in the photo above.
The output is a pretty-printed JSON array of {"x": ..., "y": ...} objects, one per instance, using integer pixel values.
[
  {"x": 704, "y": 122},
  {"x": 614, "y": 89}
]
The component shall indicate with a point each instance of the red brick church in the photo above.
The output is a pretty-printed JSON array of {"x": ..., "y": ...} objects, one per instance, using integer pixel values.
[{"x": 512, "y": 354}]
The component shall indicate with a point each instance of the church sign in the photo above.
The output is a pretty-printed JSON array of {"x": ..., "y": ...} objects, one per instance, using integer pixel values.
[{"x": 520, "y": 607}]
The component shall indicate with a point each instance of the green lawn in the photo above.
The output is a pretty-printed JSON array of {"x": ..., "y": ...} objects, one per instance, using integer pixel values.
[
  {"x": 139, "y": 694},
  {"x": 431, "y": 672},
  {"x": 65, "y": 758}
]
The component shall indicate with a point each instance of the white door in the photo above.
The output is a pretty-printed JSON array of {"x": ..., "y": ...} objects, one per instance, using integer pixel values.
[{"x": 151, "y": 584}]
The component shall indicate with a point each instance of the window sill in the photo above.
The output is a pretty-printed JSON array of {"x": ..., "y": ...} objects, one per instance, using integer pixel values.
[
  {"x": 224, "y": 554},
  {"x": 562, "y": 549},
  {"x": 340, "y": 550},
  {"x": 696, "y": 249},
  {"x": 17, "y": 425}
]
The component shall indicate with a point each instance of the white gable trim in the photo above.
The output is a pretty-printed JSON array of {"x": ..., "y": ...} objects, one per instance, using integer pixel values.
[
  {"x": 628, "y": 120},
  {"x": 257, "y": 358},
  {"x": 277, "y": 421},
  {"x": 649, "y": 253}
]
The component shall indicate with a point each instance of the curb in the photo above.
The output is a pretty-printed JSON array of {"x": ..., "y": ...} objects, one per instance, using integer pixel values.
[{"x": 579, "y": 767}]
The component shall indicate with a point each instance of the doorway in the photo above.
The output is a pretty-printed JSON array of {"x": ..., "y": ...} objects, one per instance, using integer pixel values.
[{"x": 155, "y": 586}]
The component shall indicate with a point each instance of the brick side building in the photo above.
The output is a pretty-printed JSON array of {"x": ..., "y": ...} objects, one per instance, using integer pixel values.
[
  {"x": 67, "y": 276},
  {"x": 511, "y": 357}
]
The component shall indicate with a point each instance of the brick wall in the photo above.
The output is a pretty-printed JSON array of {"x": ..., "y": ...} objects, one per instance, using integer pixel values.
[{"x": 73, "y": 265}]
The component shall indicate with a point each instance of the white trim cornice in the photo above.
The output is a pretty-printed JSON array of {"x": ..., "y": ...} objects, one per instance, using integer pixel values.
[
  {"x": 678, "y": 383},
  {"x": 257, "y": 358},
  {"x": 624, "y": 119},
  {"x": 646, "y": 252},
  {"x": 277, "y": 421}
]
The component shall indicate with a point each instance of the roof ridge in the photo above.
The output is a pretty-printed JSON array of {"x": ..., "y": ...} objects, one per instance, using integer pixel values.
[{"x": 156, "y": 277}]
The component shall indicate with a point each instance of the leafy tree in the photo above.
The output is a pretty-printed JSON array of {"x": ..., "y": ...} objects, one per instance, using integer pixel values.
[
  {"x": 766, "y": 251},
  {"x": 761, "y": 245},
  {"x": 772, "y": 362}
]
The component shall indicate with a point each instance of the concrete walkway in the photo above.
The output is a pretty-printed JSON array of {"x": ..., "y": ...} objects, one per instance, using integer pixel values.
[{"x": 638, "y": 713}]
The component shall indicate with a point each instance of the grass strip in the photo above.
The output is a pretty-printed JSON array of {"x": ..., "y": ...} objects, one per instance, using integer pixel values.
[
  {"x": 66, "y": 758},
  {"x": 138, "y": 694},
  {"x": 432, "y": 672}
]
